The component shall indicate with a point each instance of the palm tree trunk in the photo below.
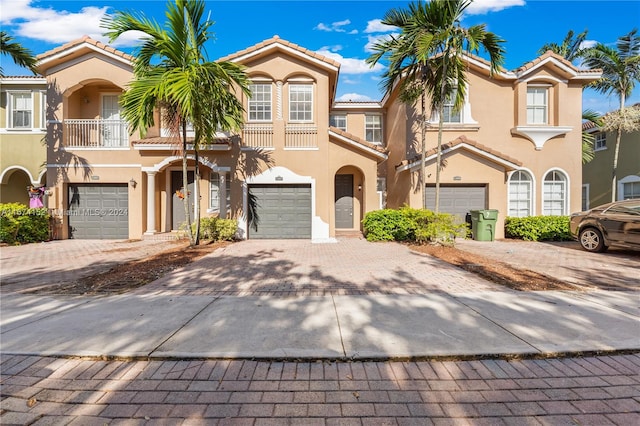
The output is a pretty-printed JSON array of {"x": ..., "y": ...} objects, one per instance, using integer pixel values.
[
  {"x": 185, "y": 182},
  {"x": 616, "y": 152},
  {"x": 196, "y": 196},
  {"x": 440, "y": 121},
  {"x": 423, "y": 160}
]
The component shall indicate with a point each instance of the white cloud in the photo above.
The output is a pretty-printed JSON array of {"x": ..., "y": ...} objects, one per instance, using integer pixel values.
[
  {"x": 335, "y": 26},
  {"x": 350, "y": 65},
  {"x": 373, "y": 39},
  {"x": 376, "y": 26},
  {"x": 353, "y": 97},
  {"x": 587, "y": 44},
  {"x": 481, "y": 7},
  {"x": 37, "y": 23}
]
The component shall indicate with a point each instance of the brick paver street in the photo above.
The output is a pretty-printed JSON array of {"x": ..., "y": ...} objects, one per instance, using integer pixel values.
[
  {"x": 598, "y": 390},
  {"x": 601, "y": 389}
]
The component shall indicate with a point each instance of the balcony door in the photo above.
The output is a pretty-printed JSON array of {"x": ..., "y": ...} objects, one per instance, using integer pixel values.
[{"x": 113, "y": 131}]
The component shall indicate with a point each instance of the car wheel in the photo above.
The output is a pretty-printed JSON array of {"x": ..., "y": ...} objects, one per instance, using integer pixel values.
[{"x": 591, "y": 240}]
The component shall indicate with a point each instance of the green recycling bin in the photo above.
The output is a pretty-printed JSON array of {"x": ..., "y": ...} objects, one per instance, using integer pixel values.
[{"x": 483, "y": 224}]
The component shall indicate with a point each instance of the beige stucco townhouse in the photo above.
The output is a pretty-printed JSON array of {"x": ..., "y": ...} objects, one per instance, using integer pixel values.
[
  {"x": 309, "y": 179},
  {"x": 514, "y": 147},
  {"x": 315, "y": 166},
  {"x": 23, "y": 152}
]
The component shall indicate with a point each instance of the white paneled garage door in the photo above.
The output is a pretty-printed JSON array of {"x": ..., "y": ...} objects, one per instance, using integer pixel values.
[
  {"x": 98, "y": 211},
  {"x": 458, "y": 200},
  {"x": 283, "y": 210}
]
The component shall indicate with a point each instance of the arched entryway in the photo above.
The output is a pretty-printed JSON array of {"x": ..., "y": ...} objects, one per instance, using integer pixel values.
[
  {"x": 348, "y": 196},
  {"x": 15, "y": 184}
]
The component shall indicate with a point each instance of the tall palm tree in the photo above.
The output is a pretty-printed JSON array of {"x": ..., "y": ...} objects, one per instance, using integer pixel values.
[
  {"x": 620, "y": 73},
  {"x": 19, "y": 54},
  {"x": 427, "y": 60},
  {"x": 172, "y": 72},
  {"x": 571, "y": 47}
]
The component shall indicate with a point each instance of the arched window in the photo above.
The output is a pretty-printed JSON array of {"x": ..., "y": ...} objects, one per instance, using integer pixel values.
[
  {"x": 520, "y": 194},
  {"x": 555, "y": 194}
]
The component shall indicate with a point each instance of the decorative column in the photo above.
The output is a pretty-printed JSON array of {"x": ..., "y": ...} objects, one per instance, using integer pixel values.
[
  {"x": 279, "y": 100},
  {"x": 151, "y": 203}
]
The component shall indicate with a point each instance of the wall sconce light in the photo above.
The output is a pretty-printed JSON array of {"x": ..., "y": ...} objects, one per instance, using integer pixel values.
[
  {"x": 359, "y": 187},
  {"x": 133, "y": 183},
  {"x": 85, "y": 98}
]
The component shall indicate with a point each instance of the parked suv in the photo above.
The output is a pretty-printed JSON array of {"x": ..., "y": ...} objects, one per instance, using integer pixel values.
[{"x": 613, "y": 224}]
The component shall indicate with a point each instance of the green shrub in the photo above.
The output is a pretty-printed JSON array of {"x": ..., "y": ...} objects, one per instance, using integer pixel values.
[
  {"x": 538, "y": 228},
  {"x": 439, "y": 228},
  {"x": 388, "y": 225},
  {"x": 409, "y": 224},
  {"x": 21, "y": 224},
  {"x": 216, "y": 229}
]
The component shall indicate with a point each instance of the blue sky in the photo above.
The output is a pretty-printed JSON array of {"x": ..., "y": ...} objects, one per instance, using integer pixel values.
[{"x": 342, "y": 30}]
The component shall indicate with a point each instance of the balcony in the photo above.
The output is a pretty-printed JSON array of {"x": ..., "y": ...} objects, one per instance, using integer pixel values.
[
  {"x": 257, "y": 136},
  {"x": 300, "y": 137},
  {"x": 95, "y": 134}
]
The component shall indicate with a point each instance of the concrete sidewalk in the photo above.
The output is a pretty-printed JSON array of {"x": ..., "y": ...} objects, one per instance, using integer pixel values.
[{"x": 310, "y": 327}]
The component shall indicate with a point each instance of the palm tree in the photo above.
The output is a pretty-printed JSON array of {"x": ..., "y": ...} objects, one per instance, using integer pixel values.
[
  {"x": 588, "y": 138},
  {"x": 620, "y": 73},
  {"x": 19, "y": 54},
  {"x": 570, "y": 48},
  {"x": 427, "y": 60},
  {"x": 172, "y": 72}
]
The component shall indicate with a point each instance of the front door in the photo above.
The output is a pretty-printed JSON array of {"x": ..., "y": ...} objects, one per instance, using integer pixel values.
[
  {"x": 179, "y": 218},
  {"x": 344, "y": 201}
]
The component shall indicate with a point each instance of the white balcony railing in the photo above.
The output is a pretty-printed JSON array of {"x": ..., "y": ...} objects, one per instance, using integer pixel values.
[
  {"x": 98, "y": 133},
  {"x": 257, "y": 135},
  {"x": 301, "y": 136}
]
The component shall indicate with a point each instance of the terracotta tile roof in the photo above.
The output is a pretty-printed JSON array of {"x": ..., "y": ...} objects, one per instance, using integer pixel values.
[
  {"x": 588, "y": 125},
  {"x": 551, "y": 54},
  {"x": 81, "y": 40},
  {"x": 358, "y": 140},
  {"x": 277, "y": 40},
  {"x": 463, "y": 140}
]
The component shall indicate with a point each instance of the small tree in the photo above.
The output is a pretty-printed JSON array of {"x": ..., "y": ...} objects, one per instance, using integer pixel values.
[{"x": 620, "y": 73}]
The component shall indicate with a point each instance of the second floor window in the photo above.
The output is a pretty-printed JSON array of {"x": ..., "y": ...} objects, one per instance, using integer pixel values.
[
  {"x": 260, "y": 102},
  {"x": 20, "y": 110},
  {"x": 600, "y": 141},
  {"x": 373, "y": 128},
  {"x": 339, "y": 121},
  {"x": 537, "y": 105},
  {"x": 449, "y": 114},
  {"x": 301, "y": 102}
]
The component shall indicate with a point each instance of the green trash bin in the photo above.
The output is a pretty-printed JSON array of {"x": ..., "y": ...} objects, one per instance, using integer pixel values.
[{"x": 483, "y": 224}]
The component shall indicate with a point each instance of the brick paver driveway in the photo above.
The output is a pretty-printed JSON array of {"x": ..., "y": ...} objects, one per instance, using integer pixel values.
[
  {"x": 614, "y": 270},
  {"x": 299, "y": 267}
]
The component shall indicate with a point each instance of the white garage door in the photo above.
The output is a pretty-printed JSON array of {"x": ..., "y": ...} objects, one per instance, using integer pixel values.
[
  {"x": 284, "y": 211},
  {"x": 99, "y": 211},
  {"x": 458, "y": 200}
]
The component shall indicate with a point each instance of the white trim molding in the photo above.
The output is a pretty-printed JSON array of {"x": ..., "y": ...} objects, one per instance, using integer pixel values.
[
  {"x": 539, "y": 135},
  {"x": 620, "y": 185}
]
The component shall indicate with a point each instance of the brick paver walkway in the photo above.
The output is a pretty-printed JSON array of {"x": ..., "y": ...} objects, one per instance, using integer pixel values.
[
  {"x": 600, "y": 390},
  {"x": 352, "y": 266}
]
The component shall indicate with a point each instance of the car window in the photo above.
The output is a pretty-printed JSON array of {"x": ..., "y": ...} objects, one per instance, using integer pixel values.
[{"x": 630, "y": 210}]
